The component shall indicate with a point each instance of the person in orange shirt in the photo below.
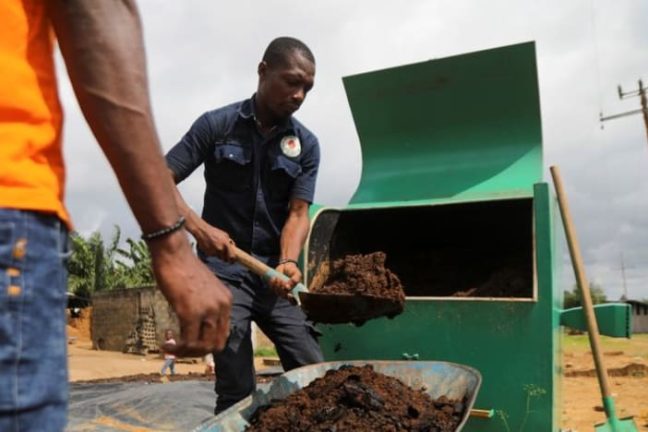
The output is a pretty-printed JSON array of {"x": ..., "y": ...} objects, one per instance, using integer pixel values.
[{"x": 102, "y": 45}]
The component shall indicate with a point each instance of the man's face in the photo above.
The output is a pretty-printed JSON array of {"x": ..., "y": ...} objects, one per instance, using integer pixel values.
[{"x": 283, "y": 87}]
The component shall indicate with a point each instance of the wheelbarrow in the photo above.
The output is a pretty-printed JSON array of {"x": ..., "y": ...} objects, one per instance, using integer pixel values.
[{"x": 452, "y": 380}]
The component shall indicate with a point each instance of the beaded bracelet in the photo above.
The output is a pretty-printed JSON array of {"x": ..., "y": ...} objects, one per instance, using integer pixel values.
[
  {"x": 164, "y": 231},
  {"x": 288, "y": 260}
]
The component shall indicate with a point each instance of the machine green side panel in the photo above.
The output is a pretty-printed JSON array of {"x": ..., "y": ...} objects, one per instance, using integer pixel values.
[
  {"x": 613, "y": 319},
  {"x": 514, "y": 344},
  {"x": 463, "y": 126}
]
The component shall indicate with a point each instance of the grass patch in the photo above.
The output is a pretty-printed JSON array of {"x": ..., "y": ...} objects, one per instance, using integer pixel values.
[
  {"x": 636, "y": 346},
  {"x": 265, "y": 351}
]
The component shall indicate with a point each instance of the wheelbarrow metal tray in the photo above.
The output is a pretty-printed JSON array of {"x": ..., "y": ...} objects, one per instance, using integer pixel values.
[{"x": 452, "y": 380}]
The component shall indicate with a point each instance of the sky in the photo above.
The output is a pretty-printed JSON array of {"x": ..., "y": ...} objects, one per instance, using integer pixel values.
[{"x": 203, "y": 54}]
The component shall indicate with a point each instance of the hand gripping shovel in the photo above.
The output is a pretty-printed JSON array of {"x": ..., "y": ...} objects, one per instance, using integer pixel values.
[
  {"x": 325, "y": 308},
  {"x": 267, "y": 273},
  {"x": 613, "y": 424}
]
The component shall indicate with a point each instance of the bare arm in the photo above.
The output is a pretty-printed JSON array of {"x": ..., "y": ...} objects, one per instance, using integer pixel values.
[
  {"x": 295, "y": 230},
  {"x": 293, "y": 236},
  {"x": 103, "y": 50},
  {"x": 101, "y": 42}
]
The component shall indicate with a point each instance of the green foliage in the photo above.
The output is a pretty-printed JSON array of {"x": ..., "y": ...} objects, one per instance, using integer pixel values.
[
  {"x": 503, "y": 415},
  {"x": 265, "y": 351},
  {"x": 573, "y": 297},
  {"x": 95, "y": 266},
  {"x": 532, "y": 392},
  {"x": 637, "y": 346},
  {"x": 135, "y": 263}
]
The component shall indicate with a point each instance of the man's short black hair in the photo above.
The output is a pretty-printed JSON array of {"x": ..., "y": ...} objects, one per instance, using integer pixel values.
[{"x": 282, "y": 47}]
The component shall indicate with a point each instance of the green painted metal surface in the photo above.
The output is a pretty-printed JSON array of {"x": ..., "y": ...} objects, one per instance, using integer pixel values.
[
  {"x": 466, "y": 126},
  {"x": 614, "y": 319},
  {"x": 452, "y": 134},
  {"x": 514, "y": 344}
]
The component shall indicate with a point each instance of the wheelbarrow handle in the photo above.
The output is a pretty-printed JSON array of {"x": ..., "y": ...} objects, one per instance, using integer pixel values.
[{"x": 267, "y": 273}]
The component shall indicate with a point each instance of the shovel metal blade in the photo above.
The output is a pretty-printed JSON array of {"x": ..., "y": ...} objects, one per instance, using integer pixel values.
[
  {"x": 347, "y": 308},
  {"x": 626, "y": 424},
  {"x": 614, "y": 423}
]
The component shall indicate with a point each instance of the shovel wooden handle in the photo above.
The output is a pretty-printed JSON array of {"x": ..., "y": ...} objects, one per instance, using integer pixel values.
[
  {"x": 266, "y": 272},
  {"x": 583, "y": 283}
]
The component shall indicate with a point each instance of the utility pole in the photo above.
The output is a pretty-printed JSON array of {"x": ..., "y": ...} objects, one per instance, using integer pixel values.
[
  {"x": 641, "y": 92},
  {"x": 625, "y": 288}
]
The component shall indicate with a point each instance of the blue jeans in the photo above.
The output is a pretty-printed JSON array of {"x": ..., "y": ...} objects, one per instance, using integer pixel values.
[
  {"x": 168, "y": 364},
  {"x": 33, "y": 286},
  {"x": 285, "y": 324}
]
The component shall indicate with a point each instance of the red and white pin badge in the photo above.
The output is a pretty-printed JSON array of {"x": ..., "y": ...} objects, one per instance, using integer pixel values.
[{"x": 290, "y": 146}]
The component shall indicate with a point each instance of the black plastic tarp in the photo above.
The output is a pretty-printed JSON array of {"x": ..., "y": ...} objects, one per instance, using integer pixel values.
[{"x": 141, "y": 407}]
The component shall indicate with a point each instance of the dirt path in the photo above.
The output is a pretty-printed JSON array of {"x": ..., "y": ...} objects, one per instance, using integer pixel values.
[
  {"x": 87, "y": 364},
  {"x": 627, "y": 363},
  {"x": 581, "y": 408}
]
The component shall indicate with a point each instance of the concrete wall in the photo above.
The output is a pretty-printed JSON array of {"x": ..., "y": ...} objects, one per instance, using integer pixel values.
[
  {"x": 639, "y": 317},
  {"x": 116, "y": 313}
]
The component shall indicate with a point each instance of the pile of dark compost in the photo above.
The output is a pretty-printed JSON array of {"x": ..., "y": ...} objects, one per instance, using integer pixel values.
[
  {"x": 504, "y": 282},
  {"x": 358, "y": 399},
  {"x": 354, "y": 288},
  {"x": 459, "y": 272}
]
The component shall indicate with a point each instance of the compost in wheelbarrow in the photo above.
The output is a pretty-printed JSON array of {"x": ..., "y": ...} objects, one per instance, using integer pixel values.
[
  {"x": 354, "y": 288},
  {"x": 357, "y": 398},
  {"x": 439, "y": 379}
]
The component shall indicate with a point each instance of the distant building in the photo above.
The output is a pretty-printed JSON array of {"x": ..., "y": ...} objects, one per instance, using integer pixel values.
[
  {"x": 639, "y": 316},
  {"x": 131, "y": 320}
]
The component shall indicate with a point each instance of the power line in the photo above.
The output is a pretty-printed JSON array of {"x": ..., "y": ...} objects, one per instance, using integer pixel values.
[
  {"x": 641, "y": 92},
  {"x": 597, "y": 65}
]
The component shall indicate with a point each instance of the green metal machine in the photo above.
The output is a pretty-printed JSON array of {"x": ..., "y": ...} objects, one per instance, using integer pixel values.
[{"x": 452, "y": 191}]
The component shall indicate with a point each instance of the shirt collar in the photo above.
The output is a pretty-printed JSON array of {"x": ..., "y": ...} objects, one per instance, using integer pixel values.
[{"x": 247, "y": 111}]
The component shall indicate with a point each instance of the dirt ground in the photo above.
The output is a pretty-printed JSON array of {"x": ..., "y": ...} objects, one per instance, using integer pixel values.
[
  {"x": 87, "y": 364},
  {"x": 627, "y": 361}
]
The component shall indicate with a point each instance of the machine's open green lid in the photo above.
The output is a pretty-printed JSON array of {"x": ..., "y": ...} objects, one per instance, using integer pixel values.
[{"x": 466, "y": 126}]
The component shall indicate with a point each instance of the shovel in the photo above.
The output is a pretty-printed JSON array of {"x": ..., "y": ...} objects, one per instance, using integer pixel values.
[
  {"x": 325, "y": 308},
  {"x": 613, "y": 423}
]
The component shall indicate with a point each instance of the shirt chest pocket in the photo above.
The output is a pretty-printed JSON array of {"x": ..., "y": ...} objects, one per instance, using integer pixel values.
[
  {"x": 232, "y": 167},
  {"x": 283, "y": 173}
]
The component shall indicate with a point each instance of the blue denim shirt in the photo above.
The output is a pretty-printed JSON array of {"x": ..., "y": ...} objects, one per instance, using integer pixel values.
[{"x": 249, "y": 178}]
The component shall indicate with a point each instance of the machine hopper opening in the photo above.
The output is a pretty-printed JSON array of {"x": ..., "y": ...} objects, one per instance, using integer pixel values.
[{"x": 472, "y": 250}]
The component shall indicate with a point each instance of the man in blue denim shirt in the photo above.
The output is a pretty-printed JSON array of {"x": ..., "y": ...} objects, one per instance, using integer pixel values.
[{"x": 260, "y": 170}]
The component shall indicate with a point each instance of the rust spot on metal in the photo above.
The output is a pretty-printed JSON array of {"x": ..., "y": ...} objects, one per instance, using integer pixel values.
[
  {"x": 13, "y": 290},
  {"x": 13, "y": 272},
  {"x": 20, "y": 248}
]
